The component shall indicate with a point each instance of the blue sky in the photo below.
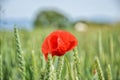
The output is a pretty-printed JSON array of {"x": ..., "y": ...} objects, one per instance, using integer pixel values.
[{"x": 27, "y": 9}]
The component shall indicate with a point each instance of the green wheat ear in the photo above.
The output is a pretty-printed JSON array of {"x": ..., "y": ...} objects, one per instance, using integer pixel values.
[
  {"x": 109, "y": 74},
  {"x": 1, "y": 75},
  {"x": 98, "y": 68},
  {"x": 77, "y": 63},
  {"x": 59, "y": 67},
  {"x": 49, "y": 71},
  {"x": 42, "y": 72},
  {"x": 20, "y": 59}
]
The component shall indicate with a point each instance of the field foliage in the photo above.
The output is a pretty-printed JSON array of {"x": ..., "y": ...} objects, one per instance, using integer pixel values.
[{"x": 97, "y": 56}]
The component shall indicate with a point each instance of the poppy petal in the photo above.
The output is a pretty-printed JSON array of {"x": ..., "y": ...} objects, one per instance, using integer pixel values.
[{"x": 58, "y": 43}]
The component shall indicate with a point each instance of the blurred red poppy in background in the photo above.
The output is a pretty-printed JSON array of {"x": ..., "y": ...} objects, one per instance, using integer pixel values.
[{"x": 58, "y": 43}]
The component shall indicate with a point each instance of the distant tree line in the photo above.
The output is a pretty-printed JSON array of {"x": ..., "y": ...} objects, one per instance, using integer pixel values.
[{"x": 51, "y": 18}]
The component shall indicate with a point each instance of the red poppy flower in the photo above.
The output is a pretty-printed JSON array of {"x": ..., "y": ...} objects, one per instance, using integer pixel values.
[{"x": 58, "y": 43}]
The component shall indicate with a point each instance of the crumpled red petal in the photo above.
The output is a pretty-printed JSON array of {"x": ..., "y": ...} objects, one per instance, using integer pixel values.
[{"x": 58, "y": 43}]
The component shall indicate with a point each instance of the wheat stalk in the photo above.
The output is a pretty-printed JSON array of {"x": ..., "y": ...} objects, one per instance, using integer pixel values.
[
  {"x": 111, "y": 49},
  {"x": 60, "y": 67},
  {"x": 69, "y": 75},
  {"x": 34, "y": 67},
  {"x": 20, "y": 59},
  {"x": 42, "y": 72},
  {"x": 100, "y": 47},
  {"x": 49, "y": 69},
  {"x": 52, "y": 73},
  {"x": 77, "y": 63},
  {"x": 109, "y": 74},
  {"x": 98, "y": 68}
]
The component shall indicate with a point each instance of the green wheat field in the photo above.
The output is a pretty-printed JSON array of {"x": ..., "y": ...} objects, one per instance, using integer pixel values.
[{"x": 96, "y": 57}]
